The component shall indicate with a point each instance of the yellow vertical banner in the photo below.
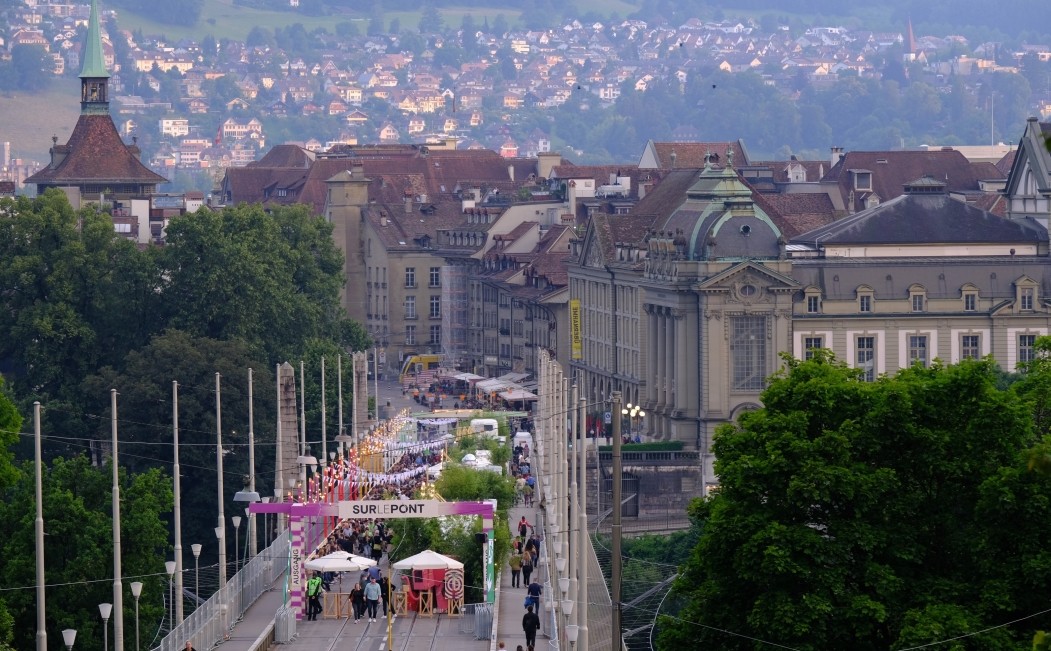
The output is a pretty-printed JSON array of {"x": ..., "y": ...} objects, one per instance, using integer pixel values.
[{"x": 575, "y": 330}]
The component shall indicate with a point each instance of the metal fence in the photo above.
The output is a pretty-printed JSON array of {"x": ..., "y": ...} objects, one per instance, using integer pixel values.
[
  {"x": 210, "y": 623},
  {"x": 478, "y": 620}
]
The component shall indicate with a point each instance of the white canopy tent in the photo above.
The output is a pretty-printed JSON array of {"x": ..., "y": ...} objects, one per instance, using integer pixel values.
[
  {"x": 428, "y": 560},
  {"x": 339, "y": 562},
  {"x": 491, "y": 385},
  {"x": 518, "y": 394}
]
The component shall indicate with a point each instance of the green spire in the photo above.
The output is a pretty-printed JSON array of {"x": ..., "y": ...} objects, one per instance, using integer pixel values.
[{"x": 93, "y": 65}]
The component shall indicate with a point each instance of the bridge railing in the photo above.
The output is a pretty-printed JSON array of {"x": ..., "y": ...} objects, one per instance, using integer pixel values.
[
  {"x": 685, "y": 457},
  {"x": 210, "y": 623}
]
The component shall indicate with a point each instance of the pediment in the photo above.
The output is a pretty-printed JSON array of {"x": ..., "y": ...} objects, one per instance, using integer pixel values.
[{"x": 748, "y": 273}]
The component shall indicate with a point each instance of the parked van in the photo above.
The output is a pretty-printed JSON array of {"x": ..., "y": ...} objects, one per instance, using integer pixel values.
[
  {"x": 485, "y": 426},
  {"x": 523, "y": 439}
]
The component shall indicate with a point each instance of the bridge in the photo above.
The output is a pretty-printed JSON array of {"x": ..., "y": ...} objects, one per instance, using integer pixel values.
[{"x": 256, "y": 610}]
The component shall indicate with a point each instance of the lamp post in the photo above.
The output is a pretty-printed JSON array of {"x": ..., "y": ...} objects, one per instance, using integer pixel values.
[
  {"x": 237, "y": 541},
  {"x": 118, "y": 588},
  {"x": 169, "y": 567},
  {"x": 69, "y": 636},
  {"x": 196, "y": 549},
  {"x": 136, "y": 590},
  {"x": 41, "y": 619},
  {"x": 105, "y": 610},
  {"x": 249, "y": 496},
  {"x": 221, "y": 529},
  {"x": 633, "y": 412},
  {"x": 177, "y": 494}
]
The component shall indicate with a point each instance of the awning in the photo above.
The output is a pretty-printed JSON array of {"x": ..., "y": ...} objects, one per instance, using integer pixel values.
[
  {"x": 467, "y": 377},
  {"x": 513, "y": 377},
  {"x": 493, "y": 385},
  {"x": 518, "y": 394}
]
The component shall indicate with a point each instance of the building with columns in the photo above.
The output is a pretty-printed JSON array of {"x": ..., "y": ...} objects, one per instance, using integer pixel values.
[{"x": 688, "y": 301}]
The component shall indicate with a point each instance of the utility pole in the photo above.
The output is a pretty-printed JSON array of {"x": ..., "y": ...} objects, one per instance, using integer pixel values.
[
  {"x": 253, "y": 541},
  {"x": 618, "y": 472},
  {"x": 41, "y": 619},
  {"x": 177, "y": 488},
  {"x": 118, "y": 587}
]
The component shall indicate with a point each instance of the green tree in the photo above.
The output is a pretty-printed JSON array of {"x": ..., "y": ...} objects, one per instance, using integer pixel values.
[
  {"x": 10, "y": 426},
  {"x": 32, "y": 67},
  {"x": 431, "y": 21},
  {"x": 79, "y": 549},
  {"x": 144, "y": 382},
  {"x": 864, "y": 515},
  {"x": 71, "y": 285},
  {"x": 287, "y": 257}
]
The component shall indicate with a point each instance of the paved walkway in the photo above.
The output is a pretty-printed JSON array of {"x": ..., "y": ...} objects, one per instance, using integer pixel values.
[
  {"x": 408, "y": 633},
  {"x": 509, "y": 600},
  {"x": 256, "y": 621}
]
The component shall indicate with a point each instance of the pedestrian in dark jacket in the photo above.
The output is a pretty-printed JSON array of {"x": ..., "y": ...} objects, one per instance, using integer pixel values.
[
  {"x": 357, "y": 601},
  {"x": 530, "y": 623}
]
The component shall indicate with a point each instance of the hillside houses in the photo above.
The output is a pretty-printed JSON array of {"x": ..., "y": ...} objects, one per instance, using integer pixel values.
[{"x": 413, "y": 93}]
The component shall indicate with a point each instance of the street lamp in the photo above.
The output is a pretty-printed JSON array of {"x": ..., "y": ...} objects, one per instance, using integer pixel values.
[
  {"x": 169, "y": 567},
  {"x": 196, "y": 548},
  {"x": 105, "y": 610},
  {"x": 136, "y": 590},
  {"x": 572, "y": 631},
  {"x": 237, "y": 541},
  {"x": 69, "y": 636},
  {"x": 249, "y": 496},
  {"x": 632, "y": 412}
]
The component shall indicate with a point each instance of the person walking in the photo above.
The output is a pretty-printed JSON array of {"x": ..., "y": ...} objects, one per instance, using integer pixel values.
[
  {"x": 533, "y": 593},
  {"x": 516, "y": 569},
  {"x": 385, "y": 589},
  {"x": 527, "y": 565},
  {"x": 313, "y": 597},
  {"x": 372, "y": 598},
  {"x": 357, "y": 601},
  {"x": 530, "y": 623}
]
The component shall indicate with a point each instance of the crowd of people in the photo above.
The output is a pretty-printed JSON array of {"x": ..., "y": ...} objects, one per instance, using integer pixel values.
[
  {"x": 522, "y": 471},
  {"x": 368, "y": 538}
]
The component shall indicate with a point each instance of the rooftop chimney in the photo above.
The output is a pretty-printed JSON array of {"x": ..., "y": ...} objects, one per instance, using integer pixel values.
[{"x": 837, "y": 155}]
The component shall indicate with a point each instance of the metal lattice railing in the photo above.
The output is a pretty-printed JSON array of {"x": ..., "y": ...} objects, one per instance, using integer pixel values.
[{"x": 210, "y": 623}]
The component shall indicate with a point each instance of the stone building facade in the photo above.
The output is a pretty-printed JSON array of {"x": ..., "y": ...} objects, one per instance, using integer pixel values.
[{"x": 689, "y": 301}]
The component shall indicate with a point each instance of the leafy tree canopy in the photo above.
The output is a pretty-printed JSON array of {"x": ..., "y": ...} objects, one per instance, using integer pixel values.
[
  {"x": 79, "y": 548},
  {"x": 871, "y": 516}
]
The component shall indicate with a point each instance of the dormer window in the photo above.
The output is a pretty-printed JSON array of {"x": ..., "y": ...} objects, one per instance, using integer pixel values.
[
  {"x": 812, "y": 296},
  {"x": 865, "y": 297},
  {"x": 918, "y": 298},
  {"x": 969, "y": 294},
  {"x": 863, "y": 180},
  {"x": 1025, "y": 294}
]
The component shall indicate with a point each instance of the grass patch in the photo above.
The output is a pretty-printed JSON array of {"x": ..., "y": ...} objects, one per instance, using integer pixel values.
[
  {"x": 33, "y": 118},
  {"x": 222, "y": 19}
]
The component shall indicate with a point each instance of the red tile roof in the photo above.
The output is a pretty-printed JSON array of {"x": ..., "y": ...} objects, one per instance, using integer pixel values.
[
  {"x": 692, "y": 154},
  {"x": 95, "y": 154},
  {"x": 891, "y": 170}
]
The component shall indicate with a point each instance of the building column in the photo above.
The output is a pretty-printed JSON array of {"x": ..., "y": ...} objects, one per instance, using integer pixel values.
[
  {"x": 682, "y": 368},
  {"x": 658, "y": 357},
  {"x": 670, "y": 349}
]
